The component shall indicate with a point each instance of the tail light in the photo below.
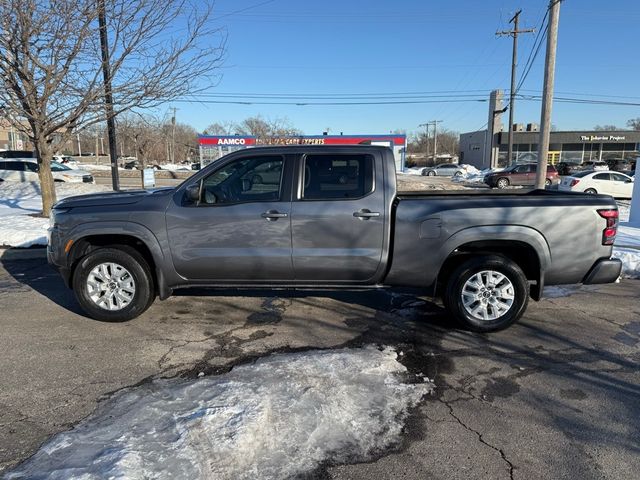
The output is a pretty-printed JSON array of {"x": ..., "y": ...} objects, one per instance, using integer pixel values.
[
  {"x": 609, "y": 233},
  {"x": 574, "y": 182}
]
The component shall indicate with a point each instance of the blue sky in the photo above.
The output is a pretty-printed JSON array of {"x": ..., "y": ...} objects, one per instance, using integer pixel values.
[{"x": 380, "y": 47}]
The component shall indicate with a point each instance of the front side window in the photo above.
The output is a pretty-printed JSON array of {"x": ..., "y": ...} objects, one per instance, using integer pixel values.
[
  {"x": 58, "y": 167},
  {"x": 251, "y": 179},
  {"x": 330, "y": 177}
]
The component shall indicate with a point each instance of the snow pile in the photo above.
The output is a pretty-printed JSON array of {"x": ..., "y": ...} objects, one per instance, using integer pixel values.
[
  {"x": 471, "y": 175},
  {"x": 280, "y": 417},
  {"x": 412, "y": 171},
  {"x": 627, "y": 249},
  {"x": 19, "y": 200}
]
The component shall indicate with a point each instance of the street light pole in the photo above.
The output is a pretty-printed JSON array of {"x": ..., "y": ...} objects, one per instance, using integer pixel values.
[{"x": 426, "y": 142}]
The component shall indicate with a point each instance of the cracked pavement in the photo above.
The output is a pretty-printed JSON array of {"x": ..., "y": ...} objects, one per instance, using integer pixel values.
[{"x": 554, "y": 396}]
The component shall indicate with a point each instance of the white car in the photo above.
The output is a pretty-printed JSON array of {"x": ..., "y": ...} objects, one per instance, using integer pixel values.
[
  {"x": 615, "y": 184},
  {"x": 26, "y": 170},
  {"x": 443, "y": 170}
]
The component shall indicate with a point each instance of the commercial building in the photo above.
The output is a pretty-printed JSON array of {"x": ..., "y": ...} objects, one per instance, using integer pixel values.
[
  {"x": 11, "y": 138},
  {"x": 215, "y": 146},
  {"x": 489, "y": 148}
]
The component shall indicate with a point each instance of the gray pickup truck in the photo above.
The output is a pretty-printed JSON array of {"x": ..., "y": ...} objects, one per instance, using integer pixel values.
[{"x": 329, "y": 218}]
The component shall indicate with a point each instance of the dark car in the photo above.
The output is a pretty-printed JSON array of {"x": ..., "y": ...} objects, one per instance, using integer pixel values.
[
  {"x": 618, "y": 164},
  {"x": 568, "y": 168},
  {"x": 523, "y": 174}
]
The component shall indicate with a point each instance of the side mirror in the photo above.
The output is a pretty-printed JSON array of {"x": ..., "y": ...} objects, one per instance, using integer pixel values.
[{"x": 192, "y": 193}]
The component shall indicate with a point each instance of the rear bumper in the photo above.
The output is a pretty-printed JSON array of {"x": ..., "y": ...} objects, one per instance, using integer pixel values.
[{"x": 605, "y": 270}]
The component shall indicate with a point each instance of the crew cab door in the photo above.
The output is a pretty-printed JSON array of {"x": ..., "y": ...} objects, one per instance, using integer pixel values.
[
  {"x": 240, "y": 228},
  {"x": 338, "y": 217}
]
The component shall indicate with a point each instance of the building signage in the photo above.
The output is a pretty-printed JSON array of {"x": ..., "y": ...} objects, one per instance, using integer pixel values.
[
  {"x": 250, "y": 141},
  {"x": 602, "y": 138}
]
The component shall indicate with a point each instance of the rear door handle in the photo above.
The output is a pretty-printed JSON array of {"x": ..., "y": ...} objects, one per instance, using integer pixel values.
[
  {"x": 273, "y": 215},
  {"x": 365, "y": 214}
]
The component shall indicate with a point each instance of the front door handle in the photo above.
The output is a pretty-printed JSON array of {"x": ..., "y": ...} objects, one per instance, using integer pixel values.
[
  {"x": 365, "y": 214},
  {"x": 273, "y": 215}
]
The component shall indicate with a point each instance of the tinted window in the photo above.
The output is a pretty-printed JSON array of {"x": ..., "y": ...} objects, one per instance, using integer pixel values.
[
  {"x": 32, "y": 167},
  {"x": 601, "y": 176},
  {"x": 253, "y": 179},
  {"x": 521, "y": 169},
  {"x": 337, "y": 176},
  {"x": 15, "y": 166}
]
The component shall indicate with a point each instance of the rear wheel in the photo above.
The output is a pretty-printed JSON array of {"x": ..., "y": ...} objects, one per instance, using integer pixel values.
[
  {"x": 592, "y": 191},
  {"x": 431, "y": 173},
  {"x": 502, "y": 183},
  {"x": 487, "y": 293},
  {"x": 113, "y": 285}
]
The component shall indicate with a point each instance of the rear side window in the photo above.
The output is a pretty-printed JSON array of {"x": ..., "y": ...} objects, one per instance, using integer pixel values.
[
  {"x": 327, "y": 177},
  {"x": 15, "y": 166},
  {"x": 602, "y": 176}
]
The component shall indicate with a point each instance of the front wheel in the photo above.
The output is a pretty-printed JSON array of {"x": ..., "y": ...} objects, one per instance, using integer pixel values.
[
  {"x": 487, "y": 293},
  {"x": 113, "y": 285},
  {"x": 431, "y": 173}
]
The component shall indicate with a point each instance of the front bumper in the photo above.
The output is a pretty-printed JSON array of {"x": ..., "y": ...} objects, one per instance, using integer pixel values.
[{"x": 605, "y": 270}]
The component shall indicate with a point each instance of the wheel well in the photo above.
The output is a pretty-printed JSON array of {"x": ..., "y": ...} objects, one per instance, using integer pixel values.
[
  {"x": 522, "y": 254},
  {"x": 86, "y": 245}
]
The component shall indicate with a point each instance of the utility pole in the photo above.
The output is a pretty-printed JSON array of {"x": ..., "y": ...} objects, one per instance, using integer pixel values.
[
  {"x": 79, "y": 147},
  {"x": 514, "y": 62},
  {"x": 547, "y": 92},
  {"x": 173, "y": 136},
  {"x": 426, "y": 142},
  {"x": 435, "y": 139},
  {"x": 108, "y": 96}
]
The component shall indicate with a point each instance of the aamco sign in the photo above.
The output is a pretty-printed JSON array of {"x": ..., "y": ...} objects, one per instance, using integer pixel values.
[{"x": 227, "y": 141}]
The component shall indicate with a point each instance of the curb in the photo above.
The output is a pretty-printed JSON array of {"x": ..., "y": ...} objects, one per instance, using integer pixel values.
[{"x": 8, "y": 254}]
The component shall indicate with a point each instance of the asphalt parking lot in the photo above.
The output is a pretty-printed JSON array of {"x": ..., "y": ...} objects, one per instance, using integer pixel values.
[{"x": 555, "y": 396}]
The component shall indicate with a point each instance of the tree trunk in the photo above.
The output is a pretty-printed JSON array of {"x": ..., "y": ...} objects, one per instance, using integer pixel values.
[{"x": 47, "y": 185}]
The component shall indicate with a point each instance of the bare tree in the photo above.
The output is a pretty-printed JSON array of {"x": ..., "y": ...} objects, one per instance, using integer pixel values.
[
  {"x": 634, "y": 124},
  {"x": 605, "y": 127},
  {"x": 51, "y": 65},
  {"x": 263, "y": 129}
]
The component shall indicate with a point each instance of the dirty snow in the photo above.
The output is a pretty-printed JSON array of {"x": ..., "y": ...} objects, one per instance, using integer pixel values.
[{"x": 280, "y": 417}]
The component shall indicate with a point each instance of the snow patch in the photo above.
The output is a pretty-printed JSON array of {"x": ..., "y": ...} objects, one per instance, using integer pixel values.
[
  {"x": 20, "y": 200},
  {"x": 280, "y": 417}
]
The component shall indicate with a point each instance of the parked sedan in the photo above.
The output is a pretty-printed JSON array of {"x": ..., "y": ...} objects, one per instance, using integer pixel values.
[
  {"x": 443, "y": 170},
  {"x": 615, "y": 184},
  {"x": 520, "y": 175}
]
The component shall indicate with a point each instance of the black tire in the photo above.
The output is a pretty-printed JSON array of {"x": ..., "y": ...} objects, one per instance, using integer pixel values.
[
  {"x": 502, "y": 183},
  {"x": 591, "y": 191},
  {"x": 452, "y": 298},
  {"x": 131, "y": 260},
  {"x": 431, "y": 173},
  {"x": 457, "y": 174},
  {"x": 547, "y": 182}
]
